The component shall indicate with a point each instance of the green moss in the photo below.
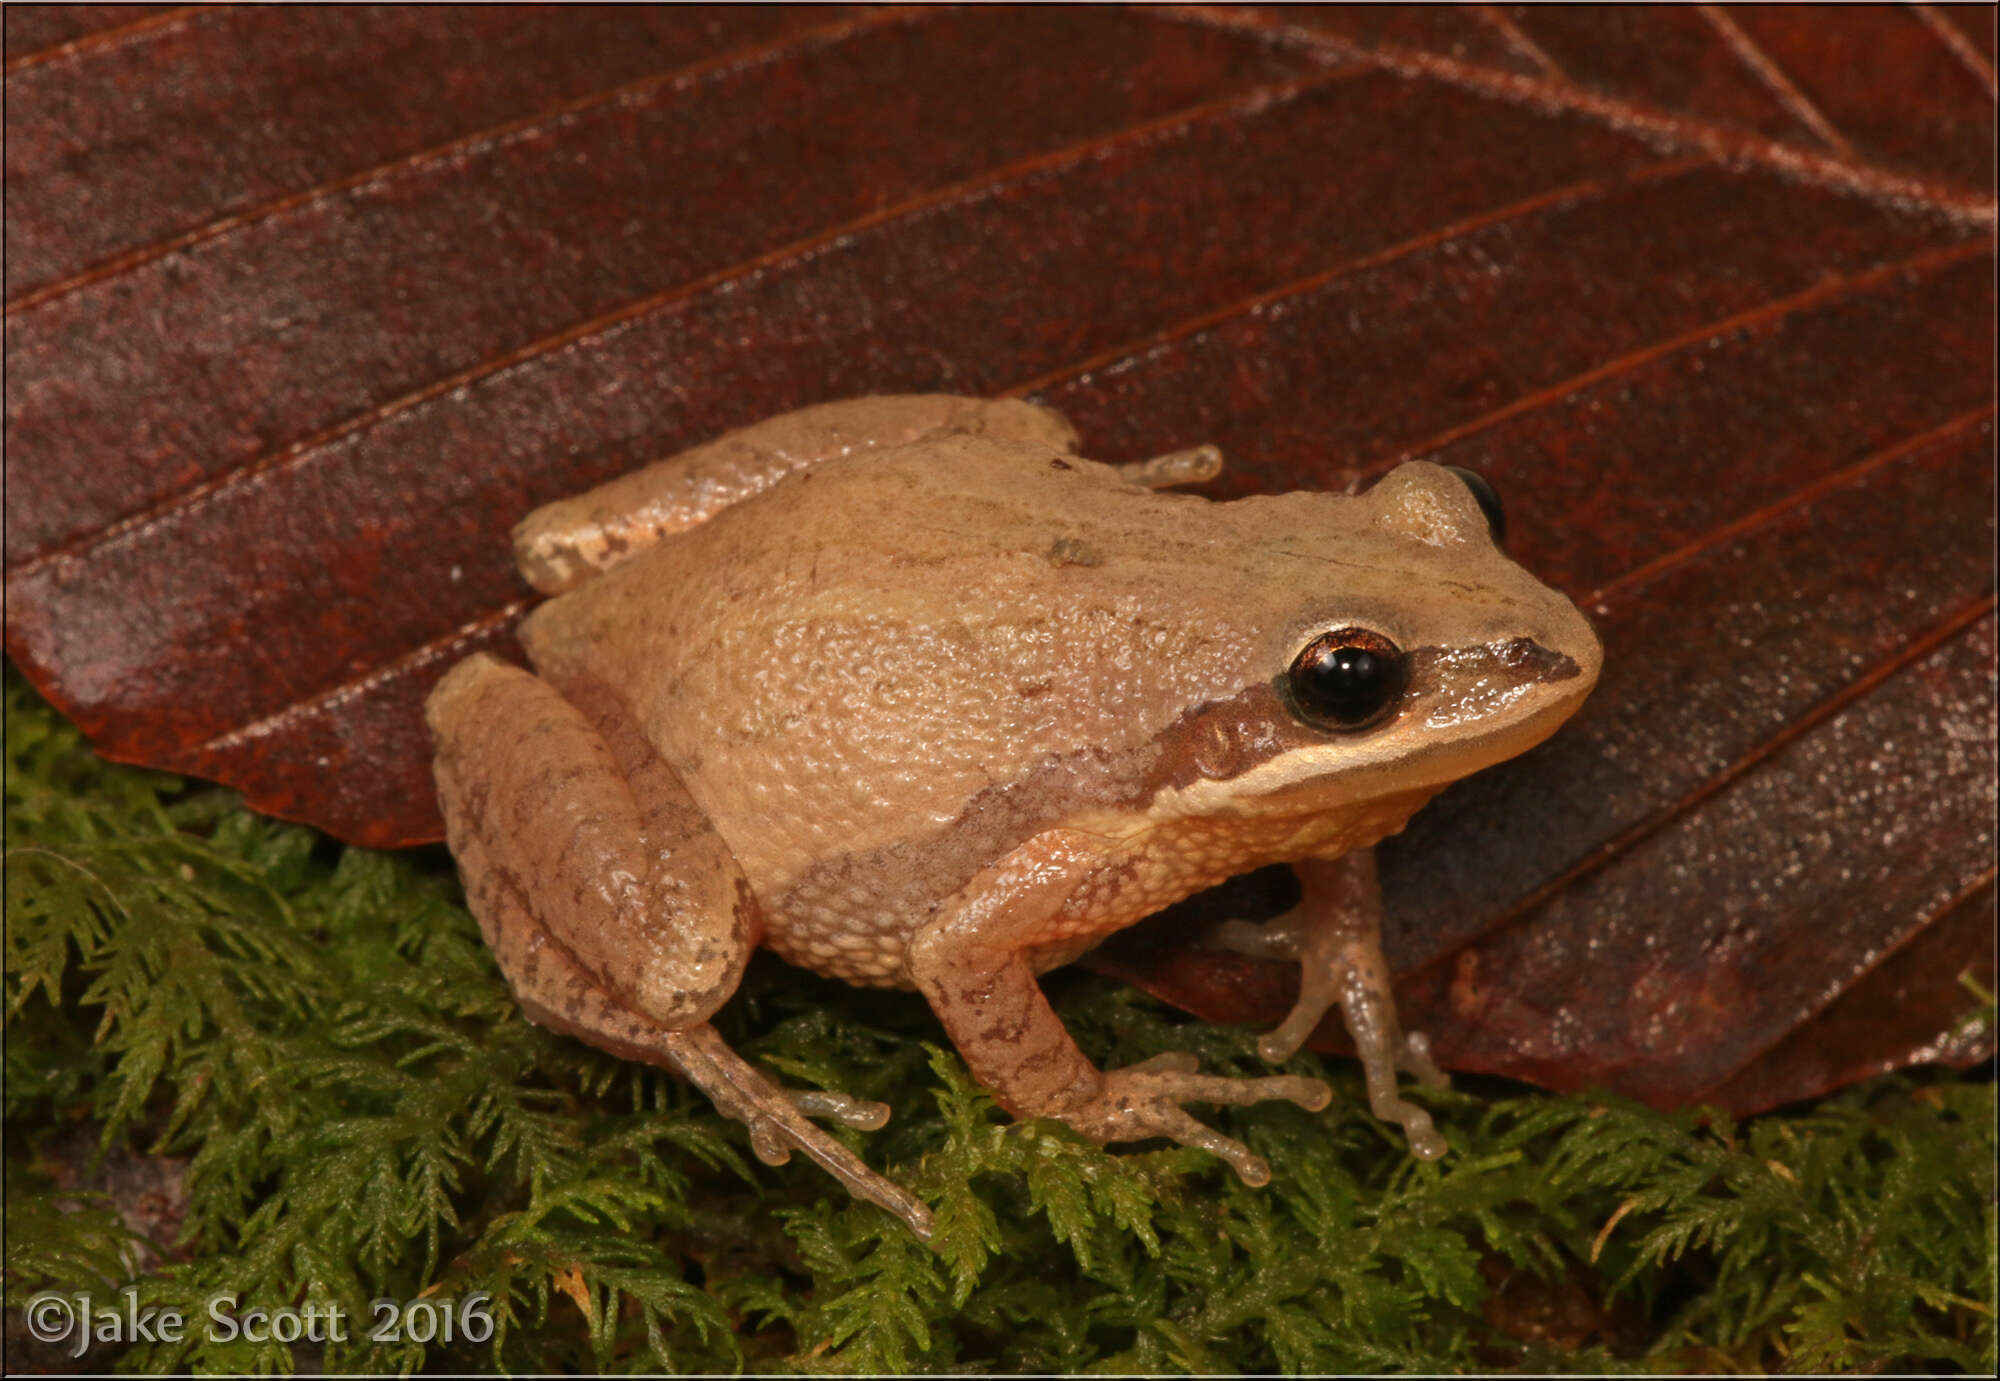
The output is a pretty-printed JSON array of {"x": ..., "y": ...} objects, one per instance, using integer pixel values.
[{"x": 364, "y": 1114}]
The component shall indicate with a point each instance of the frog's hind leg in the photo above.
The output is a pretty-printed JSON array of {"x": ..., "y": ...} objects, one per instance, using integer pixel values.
[
  {"x": 615, "y": 911},
  {"x": 1335, "y": 935},
  {"x": 562, "y": 544}
]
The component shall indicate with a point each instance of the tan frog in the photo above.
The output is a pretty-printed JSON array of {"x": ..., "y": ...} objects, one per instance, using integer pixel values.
[{"x": 909, "y": 692}]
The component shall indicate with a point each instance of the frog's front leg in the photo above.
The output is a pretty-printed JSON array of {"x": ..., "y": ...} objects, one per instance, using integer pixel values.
[
  {"x": 616, "y": 912},
  {"x": 1335, "y": 934},
  {"x": 973, "y": 962}
]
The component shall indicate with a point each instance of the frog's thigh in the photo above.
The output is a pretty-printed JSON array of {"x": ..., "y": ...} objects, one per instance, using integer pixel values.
[
  {"x": 564, "y": 543},
  {"x": 597, "y": 881}
]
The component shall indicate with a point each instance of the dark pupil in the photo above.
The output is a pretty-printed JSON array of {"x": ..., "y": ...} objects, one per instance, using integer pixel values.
[{"x": 1348, "y": 677}]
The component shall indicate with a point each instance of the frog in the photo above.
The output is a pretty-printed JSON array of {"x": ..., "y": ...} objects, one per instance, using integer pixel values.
[{"x": 907, "y": 690}]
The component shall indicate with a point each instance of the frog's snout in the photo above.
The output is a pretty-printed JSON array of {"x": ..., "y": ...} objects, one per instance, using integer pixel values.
[{"x": 1576, "y": 643}]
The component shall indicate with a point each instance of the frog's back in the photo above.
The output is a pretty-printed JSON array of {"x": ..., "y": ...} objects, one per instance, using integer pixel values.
[{"x": 883, "y": 673}]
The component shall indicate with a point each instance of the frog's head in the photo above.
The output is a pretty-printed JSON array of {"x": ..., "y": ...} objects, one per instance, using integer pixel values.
[{"x": 1402, "y": 650}]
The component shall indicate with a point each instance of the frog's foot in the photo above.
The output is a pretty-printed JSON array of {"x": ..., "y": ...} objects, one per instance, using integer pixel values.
[
  {"x": 1143, "y": 1100},
  {"x": 1360, "y": 989},
  {"x": 777, "y": 1119},
  {"x": 1335, "y": 937}
]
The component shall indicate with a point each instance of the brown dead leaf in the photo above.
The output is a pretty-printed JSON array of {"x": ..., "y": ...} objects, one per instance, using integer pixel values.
[
  {"x": 572, "y": 1283},
  {"x": 305, "y": 307}
]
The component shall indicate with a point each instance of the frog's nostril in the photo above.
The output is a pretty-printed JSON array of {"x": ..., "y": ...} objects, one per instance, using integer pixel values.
[{"x": 1535, "y": 662}]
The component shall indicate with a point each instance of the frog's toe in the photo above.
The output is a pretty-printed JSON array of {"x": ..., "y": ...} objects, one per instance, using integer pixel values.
[
  {"x": 776, "y": 1119},
  {"x": 1282, "y": 1041},
  {"x": 774, "y": 1136},
  {"x": 1175, "y": 1077},
  {"x": 1172, "y": 1122},
  {"x": 1426, "y": 1142},
  {"x": 1380, "y": 1059},
  {"x": 1417, "y": 1062},
  {"x": 862, "y": 1114},
  {"x": 1193, "y": 465}
]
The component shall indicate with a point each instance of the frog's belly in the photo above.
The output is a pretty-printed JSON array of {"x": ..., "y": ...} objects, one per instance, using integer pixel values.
[{"x": 853, "y": 918}]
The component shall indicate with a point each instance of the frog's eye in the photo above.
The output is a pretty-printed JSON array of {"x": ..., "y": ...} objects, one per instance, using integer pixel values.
[
  {"x": 1347, "y": 679},
  {"x": 1488, "y": 501}
]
